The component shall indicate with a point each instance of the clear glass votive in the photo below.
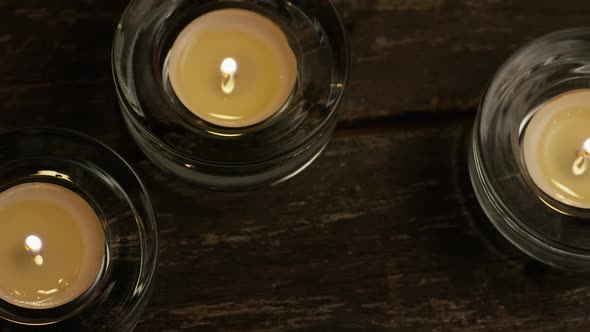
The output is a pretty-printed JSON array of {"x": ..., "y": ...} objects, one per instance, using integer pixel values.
[
  {"x": 86, "y": 167},
  {"x": 531, "y": 89},
  {"x": 211, "y": 154}
]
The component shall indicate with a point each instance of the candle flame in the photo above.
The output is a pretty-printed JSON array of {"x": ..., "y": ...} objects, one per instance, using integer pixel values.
[
  {"x": 33, "y": 244},
  {"x": 580, "y": 165},
  {"x": 229, "y": 68},
  {"x": 586, "y": 149}
]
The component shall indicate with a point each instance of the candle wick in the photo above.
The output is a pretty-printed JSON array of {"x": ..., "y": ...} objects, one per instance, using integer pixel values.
[
  {"x": 580, "y": 166},
  {"x": 229, "y": 68},
  {"x": 228, "y": 84}
]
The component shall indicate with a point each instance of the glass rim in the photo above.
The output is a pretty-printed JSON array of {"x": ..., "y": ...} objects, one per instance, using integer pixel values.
[
  {"x": 511, "y": 227},
  {"x": 486, "y": 150},
  {"x": 147, "y": 262},
  {"x": 293, "y": 149}
]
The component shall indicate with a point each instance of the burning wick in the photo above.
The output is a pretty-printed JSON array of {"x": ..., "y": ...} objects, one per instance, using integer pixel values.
[
  {"x": 229, "y": 68},
  {"x": 580, "y": 165}
]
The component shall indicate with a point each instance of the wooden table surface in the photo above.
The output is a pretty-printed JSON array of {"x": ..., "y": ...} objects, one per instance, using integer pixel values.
[{"x": 382, "y": 233}]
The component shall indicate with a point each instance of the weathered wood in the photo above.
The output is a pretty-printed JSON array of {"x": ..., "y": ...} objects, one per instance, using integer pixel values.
[
  {"x": 407, "y": 56},
  {"x": 439, "y": 55},
  {"x": 381, "y": 233}
]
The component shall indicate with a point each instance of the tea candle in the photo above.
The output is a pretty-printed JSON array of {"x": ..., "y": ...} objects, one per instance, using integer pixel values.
[
  {"x": 52, "y": 246},
  {"x": 557, "y": 148},
  {"x": 232, "y": 67}
]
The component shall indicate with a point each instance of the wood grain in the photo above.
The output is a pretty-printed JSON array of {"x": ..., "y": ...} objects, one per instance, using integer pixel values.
[
  {"x": 407, "y": 56},
  {"x": 382, "y": 233},
  {"x": 439, "y": 55}
]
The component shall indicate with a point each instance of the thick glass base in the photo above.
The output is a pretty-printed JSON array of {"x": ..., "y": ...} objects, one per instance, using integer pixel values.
[
  {"x": 508, "y": 225},
  {"x": 542, "y": 226},
  {"x": 231, "y": 177},
  {"x": 79, "y": 163},
  {"x": 208, "y": 154}
]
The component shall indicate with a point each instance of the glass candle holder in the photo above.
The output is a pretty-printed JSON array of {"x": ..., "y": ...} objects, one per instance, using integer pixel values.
[
  {"x": 80, "y": 165},
  {"x": 213, "y": 152},
  {"x": 528, "y": 160}
]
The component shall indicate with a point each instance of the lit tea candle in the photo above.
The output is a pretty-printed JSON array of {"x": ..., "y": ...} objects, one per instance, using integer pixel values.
[
  {"x": 232, "y": 67},
  {"x": 52, "y": 246},
  {"x": 557, "y": 148}
]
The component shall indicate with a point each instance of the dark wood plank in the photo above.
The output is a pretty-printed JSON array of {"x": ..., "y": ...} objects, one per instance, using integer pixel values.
[
  {"x": 439, "y": 55},
  {"x": 407, "y": 56},
  {"x": 382, "y": 232}
]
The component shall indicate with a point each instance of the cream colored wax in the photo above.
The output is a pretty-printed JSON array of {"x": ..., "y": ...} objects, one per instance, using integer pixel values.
[
  {"x": 555, "y": 144},
  {"x": 232, "y": 67},
  {"x": 52, "y": 246}
]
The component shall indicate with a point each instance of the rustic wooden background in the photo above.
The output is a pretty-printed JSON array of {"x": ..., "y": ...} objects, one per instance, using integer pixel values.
[{"x": 382, "y": 233}]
